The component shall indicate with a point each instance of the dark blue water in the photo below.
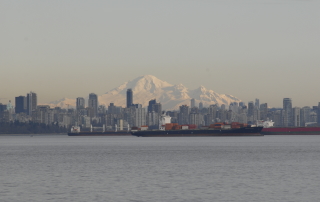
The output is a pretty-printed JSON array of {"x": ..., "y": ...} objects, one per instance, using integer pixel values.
[{"x": 62, "y": 168}]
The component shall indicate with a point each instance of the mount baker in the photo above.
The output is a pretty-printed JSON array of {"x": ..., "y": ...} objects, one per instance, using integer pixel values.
[{"x": 148, "y": 87}]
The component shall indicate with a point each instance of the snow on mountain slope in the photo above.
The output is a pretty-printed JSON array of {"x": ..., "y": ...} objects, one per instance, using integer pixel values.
[
  {"x": 148, "y": 87},
  {"x": 63, "y": 103}
]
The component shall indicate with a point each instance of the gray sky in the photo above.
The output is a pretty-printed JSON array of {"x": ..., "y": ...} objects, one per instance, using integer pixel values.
[{"x": 266, "y": 49}]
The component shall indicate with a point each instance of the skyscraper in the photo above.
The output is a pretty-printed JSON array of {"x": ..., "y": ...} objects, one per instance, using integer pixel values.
[
  {"x": 31, "y": 102},
  {"x": 257, "y": 103},
  {"x": 305, "y": 115},
  {"x": 263, "y": 111},
  {"x": 241, "y": 104},
  {"x": 183, "y": 116},
  {"x": 296, "y": 116},
  {"x": 151, "y": 103},
  {"x": 80, "y": 103},
  {"x": 193, "y": 103},
  {"x": 93, "y": 103},
  {"x": 200, "y": 105},
  {"x": 318, "y": 114},
  {"x": 21, "y": 104},
  {"x": 140, "y": 117},
  {"x": 129, "y": 98},
  {"x": 250, "y": 108},
  {"x": 287, "y": 112}
]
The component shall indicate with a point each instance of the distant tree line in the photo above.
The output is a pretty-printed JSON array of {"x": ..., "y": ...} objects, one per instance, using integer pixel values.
[{"x": 17, "y": 127}]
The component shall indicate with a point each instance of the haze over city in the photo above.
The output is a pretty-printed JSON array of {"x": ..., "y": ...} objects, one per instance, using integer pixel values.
[{"x": 262, "y": 49}]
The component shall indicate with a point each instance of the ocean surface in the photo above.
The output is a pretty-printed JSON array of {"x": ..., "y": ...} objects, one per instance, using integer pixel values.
[{"x": 61, "y": 168}]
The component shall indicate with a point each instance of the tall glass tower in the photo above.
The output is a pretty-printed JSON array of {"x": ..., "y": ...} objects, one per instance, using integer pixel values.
[
  {"x": 80, "y": 103},
  {"x": 31, "y": 102},
  {"x": 287, "y": 112},
  {"x": 93, "y": 103},
  {"x": 129, "y": 98},
  {"x": 21, "y": 104}
]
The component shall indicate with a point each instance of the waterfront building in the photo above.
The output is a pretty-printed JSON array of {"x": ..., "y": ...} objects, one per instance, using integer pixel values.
[
  {"x": 3, "y": 108},
  {"x": 263, "y": 111},
  {"x": 211, "y": 115},
  {"x": 287, "y": 112},
  {"x": 222, "y": 115},
  {"x": 251, "y": 112},
  {"x": 31, "y": 102},
  {"x": 112, "y": 109},
  {"x": 208, "y": 119},
  {"x": 277, "y": 118},
  {"x": 313, "y": 117},
  {"x": 93, "y": 104},
  {"x": 183, "y": 116},
  {"x": 296, "y": 116},
  {"x": 242, "y": 118},
  {"x": 154, "y": 106},
  {"x": 318, "y": 114},
  {"x": 43, "y": 114},
  {"x": 194, "y": 118},
  {"x": 305, "y": 115},
  {"x": 140, "y": 117},
  {"x": 153, "y": 120},
  {"x": 173, "y": 115},
  {"x": 21, "y": 104}
]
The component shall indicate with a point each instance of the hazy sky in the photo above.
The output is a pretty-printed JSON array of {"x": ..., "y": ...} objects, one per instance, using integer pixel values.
[{"x": 266, "y": 49}]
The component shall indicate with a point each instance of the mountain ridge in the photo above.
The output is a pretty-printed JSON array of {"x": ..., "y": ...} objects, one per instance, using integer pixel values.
[{"x": 148, "y": 87}]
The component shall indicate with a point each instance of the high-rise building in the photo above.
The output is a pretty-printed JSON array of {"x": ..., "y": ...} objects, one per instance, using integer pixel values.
[
  {"x": 21, "y": 104},
  {"x": 129, "y": 98},
  {"x": 287, "y": 112},
  {"x": 31, "y": 102},
  {"x": 80, "y": 103},
  {"x": 223, "y": 107},
  {"x": 183, "y": 116},
  {"x": 318, "y": 114},
  {"x": 305, "y": 115},
  {"x": 3, "y": 108},
  {"x": 193, "y": 103},
  {"x": 257, "y": 103},
  {"x": 250, "y": 108},
  {"x": 200, "y": 105},
  {"x": 277, "y": 117},
  {"x": 155, "y": 107},
  {"x": 296, "y": 116},
  {"x": 93, "y": 103},
  {"x": 140, "y": 117},
  {"x": 241, "y": 104},
  {"x": 263, "y": 111},
  {"x": 194, "y": 118}
]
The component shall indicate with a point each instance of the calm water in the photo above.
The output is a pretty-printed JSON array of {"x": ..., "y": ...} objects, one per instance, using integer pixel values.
[{"x": 62, "y": 168}]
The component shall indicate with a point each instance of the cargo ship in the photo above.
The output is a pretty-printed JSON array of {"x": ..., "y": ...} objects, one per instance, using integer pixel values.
[
  {"x": 168, "y": 129},
  {"x": 244, "y": 131},
  {"x": 75, "y": 131},
  {"x": 269, "y": 129}
]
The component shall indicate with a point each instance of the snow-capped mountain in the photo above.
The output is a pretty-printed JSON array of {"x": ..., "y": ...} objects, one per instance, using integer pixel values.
[
  {"x": 148, "y": 87},
  {"x": 63, "y": 103}
]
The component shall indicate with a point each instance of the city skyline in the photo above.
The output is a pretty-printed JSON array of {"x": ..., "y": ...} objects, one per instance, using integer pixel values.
[
  {"x": 135, "y": 115},
  {"x": 93, "y": 102},
  {"x": 248, "y": 49}
]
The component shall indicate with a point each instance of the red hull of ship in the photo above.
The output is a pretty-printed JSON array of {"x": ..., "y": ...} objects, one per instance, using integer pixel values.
[{"x": 291, "y": 131}]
